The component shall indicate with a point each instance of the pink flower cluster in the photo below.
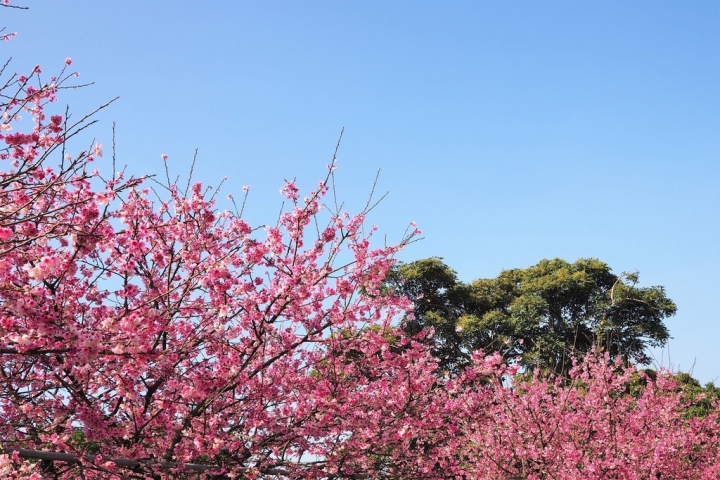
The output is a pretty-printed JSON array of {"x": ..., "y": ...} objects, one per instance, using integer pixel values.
[{"x": 589, "y": 428}]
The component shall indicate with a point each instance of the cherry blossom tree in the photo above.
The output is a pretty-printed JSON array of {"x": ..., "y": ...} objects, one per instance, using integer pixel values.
[
  {"x": 595, "y": 427},
  {"x": 137, "y": 321},
  {"x": 166, "y": 330}
]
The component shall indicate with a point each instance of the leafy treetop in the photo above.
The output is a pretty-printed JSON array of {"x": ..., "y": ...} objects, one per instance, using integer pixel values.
[{"x": 544, "y": 314}]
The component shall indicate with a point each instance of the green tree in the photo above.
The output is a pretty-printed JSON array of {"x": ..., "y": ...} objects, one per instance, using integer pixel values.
[
  {"x": 701, "y": 401},
  {"x": 544, "y": 314}
]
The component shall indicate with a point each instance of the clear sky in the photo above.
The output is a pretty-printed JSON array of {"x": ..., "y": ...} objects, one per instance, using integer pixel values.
[{"x": 509, "y": 131}]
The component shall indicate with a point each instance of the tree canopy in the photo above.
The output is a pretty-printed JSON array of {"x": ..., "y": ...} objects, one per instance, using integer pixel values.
[{"x": 544, "y": 314}]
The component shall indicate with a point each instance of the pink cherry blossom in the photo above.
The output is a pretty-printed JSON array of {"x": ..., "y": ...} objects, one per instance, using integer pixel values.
[
  {"x": 97, "y": 150},
  {"x": 5, "y": 234}
]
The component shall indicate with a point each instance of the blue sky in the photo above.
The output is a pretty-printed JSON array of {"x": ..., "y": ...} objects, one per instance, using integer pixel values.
[{"x": 509, "y": 131}]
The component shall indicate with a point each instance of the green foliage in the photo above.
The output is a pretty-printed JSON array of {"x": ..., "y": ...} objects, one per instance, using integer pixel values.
[
  {"x": 700, "y": 400},
  {"x": 544, "y": 314},
  {"x": 78, "y": 440},
  {"x": 438, "y": 299}
]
